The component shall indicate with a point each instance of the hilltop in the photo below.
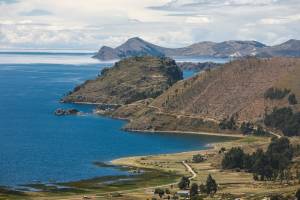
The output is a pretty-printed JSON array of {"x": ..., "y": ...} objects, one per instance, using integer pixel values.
[
  {"x": 233, "y": 48},
  {"x": 129, "y": 80}
]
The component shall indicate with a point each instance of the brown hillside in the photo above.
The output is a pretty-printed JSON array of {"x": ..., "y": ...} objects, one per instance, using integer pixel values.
[
  {"x": 236, "y": 89},
  {"x": 129, "y": 80}
]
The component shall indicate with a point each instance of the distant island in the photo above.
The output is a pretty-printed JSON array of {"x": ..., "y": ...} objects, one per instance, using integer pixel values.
[{"x": 227, "y": 49}]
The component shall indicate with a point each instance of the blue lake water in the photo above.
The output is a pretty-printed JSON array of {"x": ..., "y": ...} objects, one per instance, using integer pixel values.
[{"x": 35, "y": 145}]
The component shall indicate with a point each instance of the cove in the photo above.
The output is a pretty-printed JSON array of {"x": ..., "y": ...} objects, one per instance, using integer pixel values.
[{"x": 38, "y": 147}]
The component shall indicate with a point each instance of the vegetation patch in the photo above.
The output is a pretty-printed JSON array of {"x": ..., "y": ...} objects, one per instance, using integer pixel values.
[
  {"x": 276, "y": 93},
  {"x": 270, "y": 165},
  {"x": 285, "y": 120}
]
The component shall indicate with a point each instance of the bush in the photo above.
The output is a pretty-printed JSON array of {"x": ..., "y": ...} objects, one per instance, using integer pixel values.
[
  {"x": 247, "y": 128},
  {"x": 277, "y": 197},
  {"x": 167, "y": 191},
  {"x": 184, "y": 183},
  {"x": 197, "y": 197},
  {"x": 260, "y": 132},
  {"x": 159, "y": 191},
  {"x": 297, "y": 195},
  {"x": 228, "y": 124},
  {"x": 194, "y": 190},
  {"x": 275, "y": 93},
  {"x": 292, "y": 99}
]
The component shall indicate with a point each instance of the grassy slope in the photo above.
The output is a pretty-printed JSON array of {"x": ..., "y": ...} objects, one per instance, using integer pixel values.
[
  {"x": 129, "y": 80},
  {"x": 236, "y": 89}
]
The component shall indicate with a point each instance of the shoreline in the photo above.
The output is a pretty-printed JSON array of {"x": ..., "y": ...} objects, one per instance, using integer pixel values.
[
  {"x": 191, "y": 133},
  {"x": 127, "y": 161},
  {"x": 157, "y": 131}
]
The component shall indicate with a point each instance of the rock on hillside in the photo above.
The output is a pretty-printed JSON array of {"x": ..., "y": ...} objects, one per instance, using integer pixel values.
[
  {"x": 235, "y": 89},
  {"x": 129, "y": 80}
]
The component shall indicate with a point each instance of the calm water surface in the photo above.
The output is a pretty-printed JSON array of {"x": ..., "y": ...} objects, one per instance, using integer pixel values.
[{"x": 36, "y": 146}]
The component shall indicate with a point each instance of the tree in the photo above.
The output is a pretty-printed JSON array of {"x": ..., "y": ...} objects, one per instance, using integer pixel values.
[
  {"x": 167, "y": 191},
  {"x": 228, "y": 124},
  {"x": 292, "y": 99},
  {"x": 297, "y": 195},
  {"x": 284, "y": 119},
  {"x": 211, "y": 185},
  {"x": 234, "y": 158},
  {"x": 194, "y": 190},
  {"x": 159, "y": 191},
  {"x": 247, "y": 128},
  {"x": 184, "y": 183},
  {"x": 202, "y": 188}
]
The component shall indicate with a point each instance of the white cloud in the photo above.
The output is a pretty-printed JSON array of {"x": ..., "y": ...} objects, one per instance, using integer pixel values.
[
  {"x": 280, "y": 20},
  {"x": 92, "y": 23},
  {"x": 198, "y": 20}
]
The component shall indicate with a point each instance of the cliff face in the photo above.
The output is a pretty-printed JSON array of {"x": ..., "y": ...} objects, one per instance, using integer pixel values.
[
  {"x": 138, "y": 47},
  {"x": 235, "y": 89},
  {"x": 128, "y": 81}
]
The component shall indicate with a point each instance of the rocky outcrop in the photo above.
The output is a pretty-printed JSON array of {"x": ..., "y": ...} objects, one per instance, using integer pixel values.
[
  {"x": 235, "y": 49},
  {"x": 62, "y": 112},
  {"x": 128, "y": 81}
]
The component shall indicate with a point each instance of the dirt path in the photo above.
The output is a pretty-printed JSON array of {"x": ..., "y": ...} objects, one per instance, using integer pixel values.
[{"x": 190, "y": 169}]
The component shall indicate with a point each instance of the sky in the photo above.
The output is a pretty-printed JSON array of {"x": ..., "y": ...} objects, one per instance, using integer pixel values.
[{"x": 89, "y": 24}]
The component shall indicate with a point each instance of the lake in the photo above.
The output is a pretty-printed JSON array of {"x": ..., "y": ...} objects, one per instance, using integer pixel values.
[{"x": 37, "y": 146}]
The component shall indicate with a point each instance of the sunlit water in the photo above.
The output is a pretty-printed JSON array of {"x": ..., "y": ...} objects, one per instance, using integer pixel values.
[{"x": 37, "y": 146}]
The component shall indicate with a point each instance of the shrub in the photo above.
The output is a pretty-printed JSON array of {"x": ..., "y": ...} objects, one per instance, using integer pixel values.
[
  {"x": 260, "y": 132},
  {"x": 202, "y": 188},
  {"x": 292, "y": 99},
  {"x": 275, "y": 93},
  {"x": 277, "y": 197},
  {"x": 228, "y": 124},
  {"x": 159, "y": 191},
  {"x": 297, "y": 195},
  {"x": 197, "y": 197},
  {"x": 167, "y": 191},
  {"x": 184, "y": 183},
  {"x": 194, "y": 190},
  {"x": 247, "y": 128}
]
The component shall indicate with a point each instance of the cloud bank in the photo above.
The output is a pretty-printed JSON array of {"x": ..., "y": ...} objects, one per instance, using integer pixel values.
[{"x": 89, "y": 24}]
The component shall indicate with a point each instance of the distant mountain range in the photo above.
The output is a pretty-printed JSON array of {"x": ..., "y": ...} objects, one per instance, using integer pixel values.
[{"x": 139, "y": 47}]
